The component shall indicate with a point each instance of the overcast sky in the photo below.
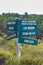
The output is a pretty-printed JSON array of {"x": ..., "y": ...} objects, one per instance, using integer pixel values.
[{"x": 21, "y": 6}]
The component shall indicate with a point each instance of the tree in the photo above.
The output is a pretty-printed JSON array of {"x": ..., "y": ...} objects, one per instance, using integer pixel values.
[{"x": 26, "y": 15}]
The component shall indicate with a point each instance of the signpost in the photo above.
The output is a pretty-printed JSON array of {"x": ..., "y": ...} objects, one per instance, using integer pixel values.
[
  {"x": 18, "y": 44},
  {"x": 22, "y": 30}
]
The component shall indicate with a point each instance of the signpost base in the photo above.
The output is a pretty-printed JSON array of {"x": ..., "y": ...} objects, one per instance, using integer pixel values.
[{"x": 18, "y": 49}]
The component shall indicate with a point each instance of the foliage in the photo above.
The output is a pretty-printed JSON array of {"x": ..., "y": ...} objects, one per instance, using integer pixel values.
[{"x": 30, "y": 54}]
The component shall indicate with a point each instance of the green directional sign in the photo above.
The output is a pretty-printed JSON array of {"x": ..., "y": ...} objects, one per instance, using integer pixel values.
[
  {"x": 28, "y": 22},
  {"x": 11, "y": 36},
  {"x": 11, "y": 25},
  {"x": 27, "y": 34},
  {"x": 27, "y": 41},
  {"x": 27, "y": 28}
]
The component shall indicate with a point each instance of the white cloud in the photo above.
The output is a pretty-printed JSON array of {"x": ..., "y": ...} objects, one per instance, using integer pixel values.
[{"x": 20, "y": 6}]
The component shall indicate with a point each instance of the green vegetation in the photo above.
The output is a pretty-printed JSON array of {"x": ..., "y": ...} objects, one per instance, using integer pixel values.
[{"x": 30, "y": 54}]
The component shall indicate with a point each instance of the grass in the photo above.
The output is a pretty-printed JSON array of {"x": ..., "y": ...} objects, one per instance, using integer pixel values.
[{"x": 30, "y": 54}]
